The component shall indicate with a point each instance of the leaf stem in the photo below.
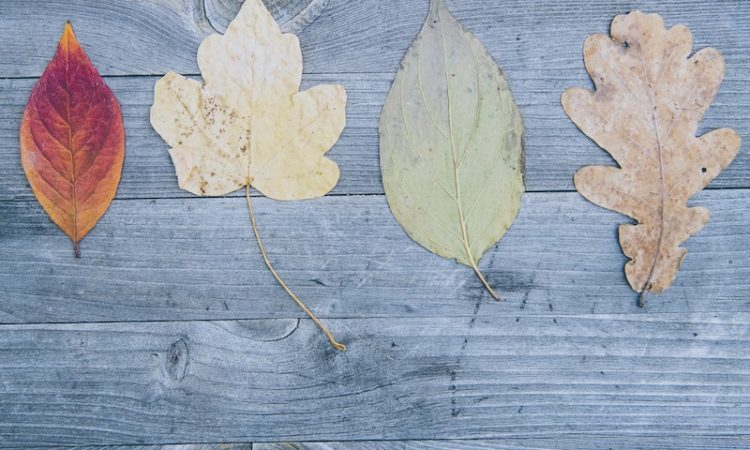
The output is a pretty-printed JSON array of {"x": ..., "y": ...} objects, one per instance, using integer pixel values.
[
  {"x": 334, "y": 343},
  {"x": 642, "y": 297},
  {"x": 484, "y": 281},
  {"x": 77, "y": 249}
]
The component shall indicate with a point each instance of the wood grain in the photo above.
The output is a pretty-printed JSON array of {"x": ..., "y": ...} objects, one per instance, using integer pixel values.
[
  {"x": 555, "y": 149},
  {"x": 195, "y": 259},
  {"x": 147, "y": 37},
  {"x": 229, "y": 446},
  {"x": 292, "y": 15},
  {"x": 668, "y": 375},
  {"x": 567, "y": 361},
  {"x": 571, "y": 441},
  {"x": 556, "y": 441}
]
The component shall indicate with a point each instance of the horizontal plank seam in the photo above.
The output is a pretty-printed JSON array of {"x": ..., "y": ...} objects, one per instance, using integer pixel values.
[
  {"x": 191, "y": 74},
  {"x": 358, "y": 194},
  {"x": 593, "y": 316},
  {"x": 355, "y": 441}
]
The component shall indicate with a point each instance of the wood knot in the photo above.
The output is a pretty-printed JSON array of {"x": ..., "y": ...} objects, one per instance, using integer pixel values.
[{"x": 177, "y": 360}]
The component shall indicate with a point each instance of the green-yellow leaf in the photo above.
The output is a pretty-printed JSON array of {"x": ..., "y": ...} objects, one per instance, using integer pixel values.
[{"x": 451, "y": 144}]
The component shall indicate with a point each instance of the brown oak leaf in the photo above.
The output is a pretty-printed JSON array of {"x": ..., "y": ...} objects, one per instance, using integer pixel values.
[{"x": 650, "y": 97}]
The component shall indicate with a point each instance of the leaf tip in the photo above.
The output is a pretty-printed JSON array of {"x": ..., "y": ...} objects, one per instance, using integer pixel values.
[{"x": 68, "y": 36}]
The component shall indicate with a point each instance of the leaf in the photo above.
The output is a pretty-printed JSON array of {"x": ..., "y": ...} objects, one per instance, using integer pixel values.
[
  {"x": 650, "y": 96},
  {"x": 248, "y": 124},
  {"x": 72, "y": 141},
  {"x": 451, "y": 144}
]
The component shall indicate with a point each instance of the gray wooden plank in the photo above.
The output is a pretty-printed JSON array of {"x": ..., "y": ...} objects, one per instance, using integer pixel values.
[
  {"x": 555, "y": 149},
  {"x": 602, "y": 376},
  {"x": 563, "y": 441},
  {"x": 185, "y": 259},
  {"x": 155, "y": 36},
  {"x": 247, "y": 446}
]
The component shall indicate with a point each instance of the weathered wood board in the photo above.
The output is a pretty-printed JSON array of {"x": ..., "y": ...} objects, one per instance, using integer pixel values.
[
  {"x": 555, "y": 148},
  {"x": 562, "y": 441},
  {"x": 170, "y": 332},
  {"x": 184, "y": 259},
  {"x": 150, "y": 37},
  {"x": 426, "y": 378}
]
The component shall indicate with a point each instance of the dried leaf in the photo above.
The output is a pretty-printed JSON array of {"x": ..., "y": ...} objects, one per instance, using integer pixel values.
[
  {"x": 248, "y": 124},
  {"x": 650, "y": 96},
  {"x": 72, "y": 141},
  {"x": 451, "y": 144}
]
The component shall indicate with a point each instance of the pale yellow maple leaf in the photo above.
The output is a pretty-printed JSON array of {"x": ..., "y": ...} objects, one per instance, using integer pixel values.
[{"x": 248, "y": 125}]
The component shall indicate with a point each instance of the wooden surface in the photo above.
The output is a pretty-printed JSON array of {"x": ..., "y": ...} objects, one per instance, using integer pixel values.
[{"x": 170, "y": 332}]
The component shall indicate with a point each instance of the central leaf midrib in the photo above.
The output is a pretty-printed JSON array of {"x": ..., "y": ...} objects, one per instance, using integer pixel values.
[
  {"x": 662, "y": 203},
  {"x": 70, "y": 139},
  {"x": 456, "y": 176}
]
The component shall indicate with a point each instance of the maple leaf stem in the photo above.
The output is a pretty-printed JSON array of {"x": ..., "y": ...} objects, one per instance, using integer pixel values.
[
  {"x": 334, "y": 343},
  {"x": 77, "y": 249}
]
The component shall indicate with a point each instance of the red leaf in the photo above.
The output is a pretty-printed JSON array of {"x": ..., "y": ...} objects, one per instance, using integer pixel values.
[{"x": 72, "y": 141}]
